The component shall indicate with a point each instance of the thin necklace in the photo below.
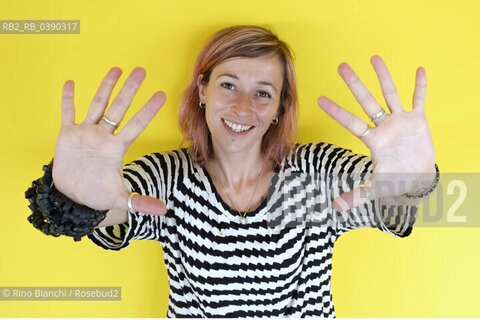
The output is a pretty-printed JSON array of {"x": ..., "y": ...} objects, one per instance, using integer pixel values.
[{"x": 242, "y": 216}]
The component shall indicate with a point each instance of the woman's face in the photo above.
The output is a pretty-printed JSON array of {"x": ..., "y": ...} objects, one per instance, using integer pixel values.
[{"x": 242, "y": 97}]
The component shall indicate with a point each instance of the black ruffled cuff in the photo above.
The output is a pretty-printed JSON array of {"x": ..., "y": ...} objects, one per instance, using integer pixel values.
[{"x": 54, "y": 214}]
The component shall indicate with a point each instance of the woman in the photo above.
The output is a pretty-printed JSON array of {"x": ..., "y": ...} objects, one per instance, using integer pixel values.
[{"x": 246, "y": 217}]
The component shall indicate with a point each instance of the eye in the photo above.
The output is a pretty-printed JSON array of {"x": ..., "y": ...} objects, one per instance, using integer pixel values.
[
  {"x": 227, "y": 85},
  {"x": 264, "y": 94}
]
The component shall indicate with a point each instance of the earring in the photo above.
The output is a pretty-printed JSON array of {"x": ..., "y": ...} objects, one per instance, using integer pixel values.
[
  {"x": 275, "y": 121},
  {"x": 202, "y": 105}
]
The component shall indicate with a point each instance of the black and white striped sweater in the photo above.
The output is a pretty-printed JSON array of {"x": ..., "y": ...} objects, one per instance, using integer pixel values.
[{"x": 276, "y": 264}]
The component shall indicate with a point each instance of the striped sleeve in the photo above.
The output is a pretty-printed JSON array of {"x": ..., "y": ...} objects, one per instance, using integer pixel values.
[
  {"x": 345, "y": 170},
  {"x": 148, "y": 175}
]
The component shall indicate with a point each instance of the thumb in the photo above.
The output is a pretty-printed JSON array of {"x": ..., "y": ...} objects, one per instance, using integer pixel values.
[
  {"x": 354, "y": 198},
  {"x": 149, "y": 205},
  {"x": 143, "y": 204}
]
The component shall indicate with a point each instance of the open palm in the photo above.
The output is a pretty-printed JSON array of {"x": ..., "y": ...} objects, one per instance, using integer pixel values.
[
  {"x": 401, "y": 145},
  {"x": 89, "y": 156}
]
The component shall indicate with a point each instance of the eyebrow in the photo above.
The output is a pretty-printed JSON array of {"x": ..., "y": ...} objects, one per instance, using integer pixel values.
[{"x": 266, "y": 83}]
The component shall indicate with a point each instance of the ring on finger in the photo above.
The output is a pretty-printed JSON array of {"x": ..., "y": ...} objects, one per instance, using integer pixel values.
[
  {"x": 110, "y": 123},
  {"x": 129, "y": 202},
  {"x": 365, "y": 132},
  {"x": 378, "y": 116}
]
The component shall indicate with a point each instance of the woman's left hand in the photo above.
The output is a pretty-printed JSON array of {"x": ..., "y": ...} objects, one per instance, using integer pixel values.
[{"x": 400, "y": 143}]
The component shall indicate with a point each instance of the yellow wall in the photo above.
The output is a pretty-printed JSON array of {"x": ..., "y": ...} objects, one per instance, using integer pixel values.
[{"x": 432, "y": 273}]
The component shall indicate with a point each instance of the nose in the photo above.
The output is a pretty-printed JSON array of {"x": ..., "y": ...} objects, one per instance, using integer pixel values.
[{"x": 243, "y": 104}]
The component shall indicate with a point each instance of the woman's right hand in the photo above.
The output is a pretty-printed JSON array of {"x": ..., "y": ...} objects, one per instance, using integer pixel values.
[{"x": 88, "y": 161}]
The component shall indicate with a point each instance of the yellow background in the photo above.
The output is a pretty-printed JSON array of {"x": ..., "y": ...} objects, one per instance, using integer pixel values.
[{"x": 432, "y": 273}]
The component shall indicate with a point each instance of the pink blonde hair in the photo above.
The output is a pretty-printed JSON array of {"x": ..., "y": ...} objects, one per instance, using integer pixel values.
[{"x": 250, "y": 42}]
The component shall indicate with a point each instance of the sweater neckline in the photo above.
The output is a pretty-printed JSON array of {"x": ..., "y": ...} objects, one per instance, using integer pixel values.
[{"x": 231, "y": 214}]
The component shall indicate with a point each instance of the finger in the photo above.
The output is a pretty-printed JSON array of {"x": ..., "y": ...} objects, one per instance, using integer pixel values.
[
  {"x": 100, "y": 101},
  {"x": 388, "y": 87},
  {"x": 380, "y": 186},
  {"x": 68, "y": 106},
  {"x": 348, "y": 120},
  {"x": 139, "y": 122},
  {"x": 141, "y": 203},
  {"x": 361, "y": 93},
  {"x": 420, "y": 90},
  {"x": 351, "y": 199},
  {"x": 149, "y": 205},
  {"x": 122, "y": 101}
]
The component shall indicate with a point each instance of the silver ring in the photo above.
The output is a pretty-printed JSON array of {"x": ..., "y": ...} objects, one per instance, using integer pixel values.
[
  {"x": 365, "y": 133},
  {"x": 378, "y": 116},
  {"x": 109, "y": 123},
  {"x": 129, "y": 202}
]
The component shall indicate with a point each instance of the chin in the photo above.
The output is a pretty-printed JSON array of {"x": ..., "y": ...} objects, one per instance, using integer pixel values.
[{"x": 233, "y": 145}]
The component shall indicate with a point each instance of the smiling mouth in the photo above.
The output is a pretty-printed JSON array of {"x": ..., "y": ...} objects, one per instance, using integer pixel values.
[{"x": 237, "y": 127}]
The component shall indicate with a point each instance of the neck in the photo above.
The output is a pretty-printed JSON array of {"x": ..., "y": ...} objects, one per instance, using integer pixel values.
[{"x": 240, "y": 169}]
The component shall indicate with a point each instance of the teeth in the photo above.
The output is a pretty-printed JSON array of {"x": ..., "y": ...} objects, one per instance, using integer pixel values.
[{"x": 236, "y": 127}]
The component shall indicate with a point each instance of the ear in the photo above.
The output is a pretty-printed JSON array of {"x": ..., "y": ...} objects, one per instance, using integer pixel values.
[{"x": 201, "y": 88}]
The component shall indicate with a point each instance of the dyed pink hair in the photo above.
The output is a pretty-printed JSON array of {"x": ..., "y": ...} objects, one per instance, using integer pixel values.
[{"x": 250, "y": 42}]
